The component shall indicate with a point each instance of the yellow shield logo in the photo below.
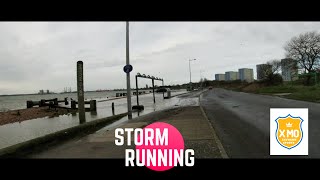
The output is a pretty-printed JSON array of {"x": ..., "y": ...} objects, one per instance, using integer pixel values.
[{"x": 289, "y": 131}]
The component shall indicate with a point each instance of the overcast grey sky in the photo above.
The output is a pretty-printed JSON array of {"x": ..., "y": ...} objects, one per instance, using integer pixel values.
[{"x": 43, "y": 55}]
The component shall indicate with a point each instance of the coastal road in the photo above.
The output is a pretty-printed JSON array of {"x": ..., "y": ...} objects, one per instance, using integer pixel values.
[{"x": 242, "y": 121}]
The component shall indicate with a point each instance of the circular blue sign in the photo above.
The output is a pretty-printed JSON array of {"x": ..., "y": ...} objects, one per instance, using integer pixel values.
[{"x": 127, "y": 68}]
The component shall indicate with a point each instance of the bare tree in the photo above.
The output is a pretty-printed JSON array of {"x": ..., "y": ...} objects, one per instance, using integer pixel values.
[
  {"x": 203, "y": 82},
  {"x": 305, "y": 49},
  {"x": 270, "y": 71},
  {"x": 270, "y": 68},
  {"x": 275, "y": 66}
]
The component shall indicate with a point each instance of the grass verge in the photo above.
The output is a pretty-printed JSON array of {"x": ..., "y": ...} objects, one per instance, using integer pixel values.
[{"x": 298, "y": 92}]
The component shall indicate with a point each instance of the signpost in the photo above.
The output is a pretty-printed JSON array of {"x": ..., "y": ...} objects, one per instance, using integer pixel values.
[{"x": 127, "y": 68}]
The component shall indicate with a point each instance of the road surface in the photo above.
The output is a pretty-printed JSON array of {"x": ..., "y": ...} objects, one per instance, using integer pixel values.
[{"x": 242, "y": 121}]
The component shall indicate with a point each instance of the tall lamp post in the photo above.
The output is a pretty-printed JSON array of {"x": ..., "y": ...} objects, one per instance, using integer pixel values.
[
  {"x": 128, "y": 74},
  {"x": 190, "y": 71}
]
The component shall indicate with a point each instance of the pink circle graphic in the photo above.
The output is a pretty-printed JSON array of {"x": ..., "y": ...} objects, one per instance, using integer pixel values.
[{"x": 175, "y": 143}]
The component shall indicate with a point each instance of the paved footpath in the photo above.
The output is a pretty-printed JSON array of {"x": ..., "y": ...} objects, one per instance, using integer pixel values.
[{"x": 191, "y": 121}]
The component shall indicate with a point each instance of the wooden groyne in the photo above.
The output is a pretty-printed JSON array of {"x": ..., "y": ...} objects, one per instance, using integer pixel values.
[
  {"x": 47, "y": 102},
  {"x": 54, "y": 103},
  {"x": 92, "y": 103}
]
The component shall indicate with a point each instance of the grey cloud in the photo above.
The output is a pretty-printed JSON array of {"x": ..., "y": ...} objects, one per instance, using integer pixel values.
[
  {"x": 51, "y": 49},
  {"x": 104, "y": 64}
]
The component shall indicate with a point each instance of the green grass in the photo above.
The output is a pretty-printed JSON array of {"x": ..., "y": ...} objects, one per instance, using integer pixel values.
[
  {"x": 277, "y": 89},
  {"x": 298, "y": 92}
]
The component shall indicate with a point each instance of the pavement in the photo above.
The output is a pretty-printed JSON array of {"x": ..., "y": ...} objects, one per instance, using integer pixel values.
[
  {"x": 190, "y": 120},
  {"x": 242, "y": 121}
]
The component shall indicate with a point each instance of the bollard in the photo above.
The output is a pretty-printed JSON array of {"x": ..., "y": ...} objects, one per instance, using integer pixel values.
[
  {"x": 112, "y": 106},
  {"x": 73, "y": 104},
  {"x": 93, "y": 105}
]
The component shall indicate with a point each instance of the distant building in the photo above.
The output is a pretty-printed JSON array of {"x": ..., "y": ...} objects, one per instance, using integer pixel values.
[
  {"x": 48, "y": 92},
  {"x": 231, "y": 75},
  {"x": 41, "y": 91},
  {"x": 262, "y": 69},
  {"x": 219, "y": 77},
  {"x": 246, "y": 74},
  {"x": 289, "y": 69}
]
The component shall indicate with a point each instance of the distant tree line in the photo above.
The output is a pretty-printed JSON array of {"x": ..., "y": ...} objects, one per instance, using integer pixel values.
[
  {"x": 270, "y": 72},
  {"x": 305, "y": 50}
]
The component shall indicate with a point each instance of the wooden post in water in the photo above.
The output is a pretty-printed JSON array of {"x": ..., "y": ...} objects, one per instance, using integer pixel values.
[
  {"x": 66, "y": 102},
  {"x": 42, "y": 102},
  {"x": 93, "y": 105},
  {"x": 73, "y": 104},
  {"x": 29, "y": 104},
  {"x": 112, "y": 106},
  {"x": 55, "y": 101},
  {"x": 80, "y": 90},
  {"x": 163, "y": 90},
  {"x": 154, "y": 99},
  {"x": 137, "y": 93}
]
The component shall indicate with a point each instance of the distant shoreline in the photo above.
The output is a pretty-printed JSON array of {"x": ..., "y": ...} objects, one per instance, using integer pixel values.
[{"x": 69, "y": 92}]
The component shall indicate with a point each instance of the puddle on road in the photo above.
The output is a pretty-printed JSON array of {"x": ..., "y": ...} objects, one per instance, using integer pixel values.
[{"x": 174, "y": 102}]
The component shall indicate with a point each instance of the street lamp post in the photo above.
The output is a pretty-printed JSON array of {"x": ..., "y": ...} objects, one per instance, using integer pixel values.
[
  {"x": 128, "y": 74},
  {"x": 190, "y": 71}
]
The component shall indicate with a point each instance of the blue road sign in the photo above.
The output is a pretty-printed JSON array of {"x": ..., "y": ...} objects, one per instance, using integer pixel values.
[{"x": 127, "y": 68}]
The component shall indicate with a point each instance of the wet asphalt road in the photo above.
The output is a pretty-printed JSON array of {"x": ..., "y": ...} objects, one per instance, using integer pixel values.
[{"x": 242, "y": 121}]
